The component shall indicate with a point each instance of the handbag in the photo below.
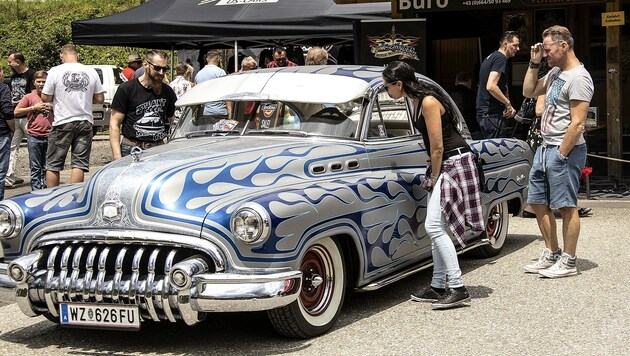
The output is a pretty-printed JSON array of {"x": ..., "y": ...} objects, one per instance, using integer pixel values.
[{"x": 527, "y": 112}]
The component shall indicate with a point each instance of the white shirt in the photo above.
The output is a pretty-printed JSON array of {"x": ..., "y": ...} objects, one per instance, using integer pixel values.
[{"x": 72, "y": 86}]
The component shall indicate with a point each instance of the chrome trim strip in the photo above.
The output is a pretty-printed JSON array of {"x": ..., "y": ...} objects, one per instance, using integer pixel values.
[
  {"x": 51, "y": 282},
  {"x": 148, "y": 291},
  {"x": 62, "y": 285},
  {"x": 409, "y": 271},
  {"x": 74, "y": 276},
  {"x": 89, "y": 273},
  {"x": 135, "y": 275},
  {"x": 120, "y": 258},
  {"x": 166, "y": 304},
  {"x": 100, "y": 276}
]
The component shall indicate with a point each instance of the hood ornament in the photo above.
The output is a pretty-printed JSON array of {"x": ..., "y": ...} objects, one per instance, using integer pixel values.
[
  {"x": 112, "y": 210},
  {"x": 135, "y": 153}
]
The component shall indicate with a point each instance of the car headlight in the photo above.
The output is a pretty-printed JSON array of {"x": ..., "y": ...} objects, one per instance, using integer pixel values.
[
  {"x": 251, "y": 223},
  {"x": 11, "y": 220}
]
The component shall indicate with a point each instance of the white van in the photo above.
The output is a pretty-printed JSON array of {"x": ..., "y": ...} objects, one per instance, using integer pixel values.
[{"x": 111, "y": 76}]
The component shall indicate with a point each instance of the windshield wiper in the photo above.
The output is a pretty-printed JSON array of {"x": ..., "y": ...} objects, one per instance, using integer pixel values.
[
  {"x": 209, "y": 132},
  {"x": 279, "y": 132}
]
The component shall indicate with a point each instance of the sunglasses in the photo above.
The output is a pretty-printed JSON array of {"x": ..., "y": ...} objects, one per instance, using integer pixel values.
[{"x": 158, "y": 68}]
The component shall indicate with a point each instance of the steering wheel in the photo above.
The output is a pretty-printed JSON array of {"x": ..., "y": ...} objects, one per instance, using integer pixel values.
[{"x": 329, "y": 113}]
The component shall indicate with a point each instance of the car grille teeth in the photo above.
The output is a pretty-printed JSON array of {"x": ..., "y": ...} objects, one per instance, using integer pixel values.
[{"x": 105, "y": 273}]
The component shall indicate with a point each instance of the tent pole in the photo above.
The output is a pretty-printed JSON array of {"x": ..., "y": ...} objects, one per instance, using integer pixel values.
[
  {"x": 172, "y": 60},
  {"x": 235, "y": 56}
]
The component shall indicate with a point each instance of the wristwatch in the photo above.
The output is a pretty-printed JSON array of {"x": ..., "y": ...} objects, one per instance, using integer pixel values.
[{"x": 533, "y": 65}]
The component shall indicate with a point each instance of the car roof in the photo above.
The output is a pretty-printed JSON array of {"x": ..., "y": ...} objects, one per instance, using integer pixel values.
[{"x": 330, "y": 84}]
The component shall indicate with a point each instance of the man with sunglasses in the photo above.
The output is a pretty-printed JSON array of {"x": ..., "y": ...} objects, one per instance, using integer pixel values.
[
  {"x": 554, "y": 179},
  {"x": 72, "y": 87},
  {"x": 143, "y": 108},
  {"x": 280, "y": 59},
  {"x": 493, "y": 102}
]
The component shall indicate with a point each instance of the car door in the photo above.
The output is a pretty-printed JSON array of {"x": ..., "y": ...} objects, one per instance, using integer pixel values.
[{"x": 397, "y": 160}]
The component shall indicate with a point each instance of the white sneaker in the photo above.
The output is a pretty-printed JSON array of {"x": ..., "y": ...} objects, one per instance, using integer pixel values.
[
  {"x": 546, "y": 260},
  {"x": 564, "y": 267}
]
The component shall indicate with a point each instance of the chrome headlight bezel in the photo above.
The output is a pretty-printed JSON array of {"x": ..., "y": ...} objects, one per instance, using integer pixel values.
[
  {"x": 11, "y": 220},
  {"x": 251, "y": 224}
]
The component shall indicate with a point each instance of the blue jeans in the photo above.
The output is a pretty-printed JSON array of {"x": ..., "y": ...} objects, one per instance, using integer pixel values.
[
  {"x": 493, "y": 125},
  {"x": 37, "y": 148},
  {"x": 445, "y": 263},
  {"x": 5, "y": 153}
]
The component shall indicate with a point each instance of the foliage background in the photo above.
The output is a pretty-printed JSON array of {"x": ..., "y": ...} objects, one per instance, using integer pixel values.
[{"x": 39, "y": 29}]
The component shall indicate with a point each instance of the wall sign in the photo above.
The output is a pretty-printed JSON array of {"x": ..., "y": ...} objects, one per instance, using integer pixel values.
[
  {"x": 384, "y": 41},
  {"x": 421, "y": 6},
  {"x": 615, "y": 18}
]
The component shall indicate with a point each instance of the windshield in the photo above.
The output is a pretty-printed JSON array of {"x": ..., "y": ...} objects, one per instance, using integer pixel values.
[{"x": 273, "y": 118}]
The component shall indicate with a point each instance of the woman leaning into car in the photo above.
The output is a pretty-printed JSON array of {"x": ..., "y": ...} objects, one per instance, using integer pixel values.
[{"x": 452, "y": 181}]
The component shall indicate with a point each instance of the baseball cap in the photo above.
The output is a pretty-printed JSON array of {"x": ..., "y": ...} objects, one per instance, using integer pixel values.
[{"x": 134, "y": 57}]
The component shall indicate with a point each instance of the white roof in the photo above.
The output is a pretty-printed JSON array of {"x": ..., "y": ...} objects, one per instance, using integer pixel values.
[{"x": 281, "y": 86}]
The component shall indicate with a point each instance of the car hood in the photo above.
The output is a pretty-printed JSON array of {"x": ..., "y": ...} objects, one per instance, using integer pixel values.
[{"x": 175, "y": 187}]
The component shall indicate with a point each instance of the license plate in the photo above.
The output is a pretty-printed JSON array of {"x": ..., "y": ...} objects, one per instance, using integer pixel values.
[
  {"x": 97, "y": 115},
  {"x": 100, "y": 315}
]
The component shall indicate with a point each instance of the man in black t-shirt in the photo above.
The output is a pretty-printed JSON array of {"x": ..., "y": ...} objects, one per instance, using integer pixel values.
[
  {"x": 21, "y": 84},
  {"x": 144, "y": 107}
]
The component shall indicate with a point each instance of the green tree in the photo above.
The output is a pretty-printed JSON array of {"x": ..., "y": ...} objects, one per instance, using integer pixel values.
[{"x": 39, "y": 29}]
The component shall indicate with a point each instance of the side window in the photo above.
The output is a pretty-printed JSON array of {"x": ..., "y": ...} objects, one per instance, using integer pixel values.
[
  {"x": 389, "y": 118},
  {"x": 99, "y": 71}
]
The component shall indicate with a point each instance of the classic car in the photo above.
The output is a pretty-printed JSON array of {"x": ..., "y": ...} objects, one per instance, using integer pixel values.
[{"x": 309, "y": 191}]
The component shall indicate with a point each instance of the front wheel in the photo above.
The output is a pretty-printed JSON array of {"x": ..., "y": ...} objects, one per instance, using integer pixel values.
[
  {"x": 321, "y": 296},
  {"x": 496, "y": 231}
]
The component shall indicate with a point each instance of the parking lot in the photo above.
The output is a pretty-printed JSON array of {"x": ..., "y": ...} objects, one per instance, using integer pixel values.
[{"x": 511, "y": 312}]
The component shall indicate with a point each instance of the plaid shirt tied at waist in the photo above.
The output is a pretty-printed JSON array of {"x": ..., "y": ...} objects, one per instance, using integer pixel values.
[{"x": 460, "y": 196}]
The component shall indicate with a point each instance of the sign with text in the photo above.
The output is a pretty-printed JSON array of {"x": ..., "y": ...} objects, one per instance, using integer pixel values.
[
  {"x": 615, "y": 18},
  {"x": 420, "y": 6},
  {"x": 384, "y": 41}
]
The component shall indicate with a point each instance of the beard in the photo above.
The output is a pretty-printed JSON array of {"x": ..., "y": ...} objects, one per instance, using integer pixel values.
[{"x": 156, "y": 81}]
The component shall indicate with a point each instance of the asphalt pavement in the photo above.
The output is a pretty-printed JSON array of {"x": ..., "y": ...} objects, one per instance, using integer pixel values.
[{"x": 512, "y": 313}]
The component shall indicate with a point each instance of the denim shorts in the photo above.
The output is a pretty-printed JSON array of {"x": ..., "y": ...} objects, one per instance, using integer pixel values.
[
  {"x": 76, "y": 135},
  {"x": 554, "y": 181}
]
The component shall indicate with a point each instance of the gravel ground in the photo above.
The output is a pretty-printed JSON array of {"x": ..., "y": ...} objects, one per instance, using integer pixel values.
[{"x": 101, "y": 154}]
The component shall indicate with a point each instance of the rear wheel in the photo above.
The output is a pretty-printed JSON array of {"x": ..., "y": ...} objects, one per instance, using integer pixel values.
[
  {"x": 496, "y": 231},
  {"x": 321, "y": 296}
]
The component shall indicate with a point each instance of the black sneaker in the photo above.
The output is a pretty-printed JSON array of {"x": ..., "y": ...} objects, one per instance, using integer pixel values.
[
  {"x": 428, "y": 295},
  {"x": 452, "y": 298}
]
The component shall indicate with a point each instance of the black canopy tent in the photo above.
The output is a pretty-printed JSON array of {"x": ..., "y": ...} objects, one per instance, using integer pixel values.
[{"x": 180, "y": 24}]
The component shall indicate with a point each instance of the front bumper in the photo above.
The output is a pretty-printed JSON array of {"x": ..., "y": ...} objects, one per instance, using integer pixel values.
[
  {"x": 186, "y": 292},
  {"x": 5, "y": 282}
]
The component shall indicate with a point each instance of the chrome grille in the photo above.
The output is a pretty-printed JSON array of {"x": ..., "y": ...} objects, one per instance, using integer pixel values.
[{"x": 133, "y": 274}]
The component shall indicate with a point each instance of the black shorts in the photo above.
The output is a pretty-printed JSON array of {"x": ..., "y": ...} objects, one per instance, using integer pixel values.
[{"x": 76, "y": 135}]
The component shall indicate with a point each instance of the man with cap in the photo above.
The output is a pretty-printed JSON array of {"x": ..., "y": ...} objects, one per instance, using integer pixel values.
[{"x": 134, "y": 62}]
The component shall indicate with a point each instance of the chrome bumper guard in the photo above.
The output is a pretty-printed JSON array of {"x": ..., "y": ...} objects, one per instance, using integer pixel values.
[{"x": 185, "y": 292}]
